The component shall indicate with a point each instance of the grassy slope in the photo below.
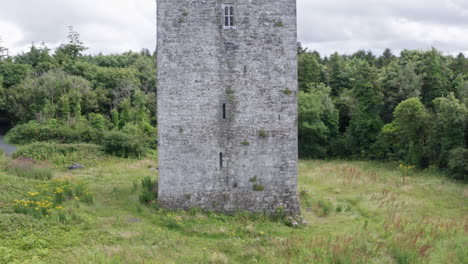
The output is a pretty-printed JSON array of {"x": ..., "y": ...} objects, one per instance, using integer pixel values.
[{"x": 358, "y": 212}]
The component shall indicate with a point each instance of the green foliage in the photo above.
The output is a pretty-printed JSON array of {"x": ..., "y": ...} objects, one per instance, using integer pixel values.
[
  {"x": 451, "y": 120},
  {"x": 38, "y": 57},
  {"x": 61, "y": 154},
  {"x": 437, "y": 75},
  {"x": 55, "y": 131},
  {"x": 409, "y": 132},
  {"x": 13, "y": 73},
  {"x": 399, "y": 83},
  {"x": 97, "y": 121},
  {"x": 149, "y": 191},
  {"x": 346, "y": 109},
  {"x": 123, "y": 145},
  {"x": 318, "y": 121},
  {"x": 458, "y": 163},
  {"x": 310, "y": 71},
  {"x": 71, "y": 50},
  {"x": 49, "y": 96}
]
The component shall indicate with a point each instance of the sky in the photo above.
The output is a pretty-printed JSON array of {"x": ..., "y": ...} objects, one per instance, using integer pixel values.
[{"x": 345, "y": 26}]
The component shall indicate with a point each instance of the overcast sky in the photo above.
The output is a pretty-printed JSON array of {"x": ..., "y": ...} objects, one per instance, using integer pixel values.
[{"x": 110, "y": 26}]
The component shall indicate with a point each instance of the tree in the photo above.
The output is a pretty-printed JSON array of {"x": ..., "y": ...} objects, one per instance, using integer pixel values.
[
  {"x": 399, "y": 82},
  {"x": 436, "y": 80},
  {"x": 71, "y": 50},
  {"x": 386, "y": 58},
  {"x": 451, "y": 118},
  {"x": 365, "y": 124},
  {"x": 365, "y": 55},
  {"x": 339, "y": 76},
  {"x": 13, "y": 73},
  {"x": 410, "y": 131},
  {"x": 318, "y": 122},
  {"x": 309, "y": 70},
  {"x": 459, "y": 65},
  {"x": 139, "y": 101},
  {"x": 38, "y": 58},
  {"x": 49, "y": 93}
]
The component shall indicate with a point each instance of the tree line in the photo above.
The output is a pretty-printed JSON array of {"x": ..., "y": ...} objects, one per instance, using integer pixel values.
[
  {"x": 66, "y": 96},
  {"x": 410, "y": 108}
]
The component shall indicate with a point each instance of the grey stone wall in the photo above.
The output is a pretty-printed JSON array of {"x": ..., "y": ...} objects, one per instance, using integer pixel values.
[{"x": 252, "y": 71}]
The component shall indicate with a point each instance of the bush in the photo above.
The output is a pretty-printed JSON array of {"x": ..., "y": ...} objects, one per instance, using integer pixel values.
[
  {"x": 149, "y": 192},
  {"x": 458, "y": 163},
  {"x": 29, "y": 168},
  {"x": 52, "y": 130},
  {"x": 59, "y": 153},
  {"x": 123, "y": 145},
  {"x": 97, "y": 121}
]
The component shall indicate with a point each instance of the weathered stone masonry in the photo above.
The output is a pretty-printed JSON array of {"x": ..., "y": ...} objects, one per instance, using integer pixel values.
[{"x": 227, "y": 105}]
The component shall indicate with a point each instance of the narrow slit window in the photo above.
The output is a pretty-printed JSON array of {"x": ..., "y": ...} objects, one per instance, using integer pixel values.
[
  {"x": 224, "y": 111},
  {"x": 220, "y": 159},
  {"x": 228, "y": 14}
]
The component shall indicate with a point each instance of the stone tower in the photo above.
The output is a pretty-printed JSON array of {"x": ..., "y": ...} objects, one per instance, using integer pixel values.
[{"x": 227, "y": 105}]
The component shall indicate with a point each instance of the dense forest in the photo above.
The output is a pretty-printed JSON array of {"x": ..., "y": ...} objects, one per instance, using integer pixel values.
[{"x": 410, "y": 108}]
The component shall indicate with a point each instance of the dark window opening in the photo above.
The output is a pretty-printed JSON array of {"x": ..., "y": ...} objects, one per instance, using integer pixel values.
[
  {"x": 220, "y": 159},
  {"x": 228, "y": 16},
  {"x": 224, "y": 111}
]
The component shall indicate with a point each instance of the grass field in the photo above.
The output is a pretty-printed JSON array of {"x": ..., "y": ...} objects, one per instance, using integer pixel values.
[{"x": 357, "y": 212}]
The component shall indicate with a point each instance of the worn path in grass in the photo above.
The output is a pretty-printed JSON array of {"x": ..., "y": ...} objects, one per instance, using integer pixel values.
[{"x": 358, "y": 212}]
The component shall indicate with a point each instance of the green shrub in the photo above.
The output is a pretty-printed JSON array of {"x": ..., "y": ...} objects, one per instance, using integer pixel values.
[
  {"x": 458, "y": 163},
  {"x": 123, "y": 145},
  {"x": 144, "y": 131},
  {"x": 29, "y": 168},
  {"x": 52, "y": 130},
  {"x": 97, "y": 121},
  {"x": 59, "y": 153},
  {"x": 149, "y": 192}
]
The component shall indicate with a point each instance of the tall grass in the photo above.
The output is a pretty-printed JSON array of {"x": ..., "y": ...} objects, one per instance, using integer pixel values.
[{"x": 29, "y": 168}]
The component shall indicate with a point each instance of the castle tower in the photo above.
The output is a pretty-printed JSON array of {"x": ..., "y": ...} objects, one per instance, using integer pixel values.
[{"x": 227, "y": 105}]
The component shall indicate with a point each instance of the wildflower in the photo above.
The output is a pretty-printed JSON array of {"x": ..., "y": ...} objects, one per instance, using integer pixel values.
[
  {"x": 77, "y": 198},
  {"x": 261, "y": 233},
  {"x": 59, "y": 207}
]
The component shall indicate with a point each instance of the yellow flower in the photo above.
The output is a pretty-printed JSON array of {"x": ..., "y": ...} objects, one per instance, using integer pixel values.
[
  {"x": 59, "y": 207},
  {"x": 261, "y": 233},
  {"x": 77, "y": 198}
]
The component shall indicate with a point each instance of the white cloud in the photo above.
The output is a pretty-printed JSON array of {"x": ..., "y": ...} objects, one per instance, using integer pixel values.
[{"x": 345, "y": 26}]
